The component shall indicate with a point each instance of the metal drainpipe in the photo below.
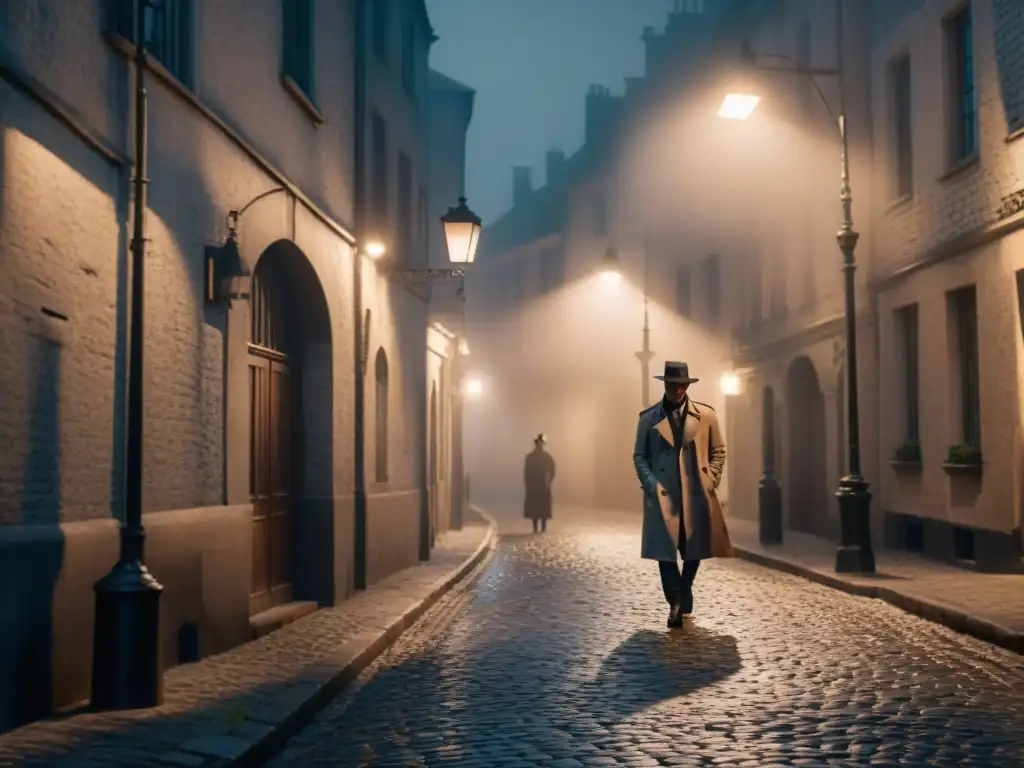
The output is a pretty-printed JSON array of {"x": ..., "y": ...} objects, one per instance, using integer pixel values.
[{"x": 359, "y": 201}]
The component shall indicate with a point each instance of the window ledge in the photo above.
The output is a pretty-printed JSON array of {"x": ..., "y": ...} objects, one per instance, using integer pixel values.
[
  {"x": 905, "y": 466},
  {"x": 1014, "y": 135},
  {"x": 304, "y": 102},
  {"x": 899, "y": 202},
  {"x": 960, "y": 167},
  {"x": 961, "y": 469}
]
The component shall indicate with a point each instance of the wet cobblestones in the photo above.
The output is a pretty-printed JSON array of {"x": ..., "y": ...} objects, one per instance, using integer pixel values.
[{"x": 558, "y": 656}]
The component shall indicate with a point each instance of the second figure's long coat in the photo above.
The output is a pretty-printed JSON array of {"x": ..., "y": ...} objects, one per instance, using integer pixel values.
[
  {"x": 668, "y": 487},
  {"x": 538, "y": 474}
]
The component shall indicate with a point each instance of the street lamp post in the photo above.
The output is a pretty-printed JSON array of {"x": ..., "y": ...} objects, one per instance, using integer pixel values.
[
  {"x": 462, "y": 235},
  {"x": 646, "y": 353},
  {"x": 855, "y": 553},
  {"x": 126, "y": 671}
]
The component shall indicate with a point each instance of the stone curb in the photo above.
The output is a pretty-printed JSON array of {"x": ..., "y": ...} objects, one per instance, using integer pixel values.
[
  {"x": 269, "y": 728},
  {"x": 957, "y": 620}
]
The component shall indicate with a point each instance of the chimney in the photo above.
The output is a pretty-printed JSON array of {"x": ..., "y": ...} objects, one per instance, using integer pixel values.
[
  {"x": 600, "y": 112},
  {"x": 522, "y": 186},
  {"x": 555, "y": 159}
]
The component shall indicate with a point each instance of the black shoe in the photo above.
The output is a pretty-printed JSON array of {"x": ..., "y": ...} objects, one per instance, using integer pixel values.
[
  {"x": 675, "y": 616},
  {"x": 687, "y": 607}
]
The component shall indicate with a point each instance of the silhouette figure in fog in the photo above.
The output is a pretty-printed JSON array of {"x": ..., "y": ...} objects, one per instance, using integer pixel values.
[
  {"x": 679, "y": 458},
  {"x": 538, "y": 474}
]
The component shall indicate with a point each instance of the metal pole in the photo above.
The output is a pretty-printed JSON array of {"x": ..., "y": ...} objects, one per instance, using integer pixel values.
[
  {"x": 855, "y": 553},
  {"x": 645, "y": 354},
  {"x": 360, "y": 358},
  {"x": 126, "y": 670}
]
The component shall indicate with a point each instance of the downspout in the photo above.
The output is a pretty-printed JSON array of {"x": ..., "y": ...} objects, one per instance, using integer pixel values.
[{"x": 358, "y": 351}]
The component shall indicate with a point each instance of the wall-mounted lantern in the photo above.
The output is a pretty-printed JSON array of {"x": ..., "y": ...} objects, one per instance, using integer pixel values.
[{"x": 224, "y": 267}]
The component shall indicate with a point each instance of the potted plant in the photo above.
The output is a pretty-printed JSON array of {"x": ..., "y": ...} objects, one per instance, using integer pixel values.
[
  {"x": 907, "y": 456},
  {"x": 964, "y": 458}
]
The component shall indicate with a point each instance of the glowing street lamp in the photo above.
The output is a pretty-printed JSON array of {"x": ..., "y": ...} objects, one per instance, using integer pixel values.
[
  {"x": 473, "y": 387},
  {"x": 729, "y": 384},
  {"x": 462, "y": 233},
  {"x": 611, "y": 273},
  {"x": 375, "y": 248},
  {"x": 463, "y": 346},
  {"x": 738, "y": 106}
]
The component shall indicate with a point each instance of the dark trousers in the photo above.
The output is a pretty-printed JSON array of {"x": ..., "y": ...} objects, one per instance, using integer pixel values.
[{"x": 676, "y": 583}]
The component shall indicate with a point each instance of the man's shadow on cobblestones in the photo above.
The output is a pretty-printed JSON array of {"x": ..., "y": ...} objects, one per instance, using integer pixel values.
[{"x": 654, "y": 666}]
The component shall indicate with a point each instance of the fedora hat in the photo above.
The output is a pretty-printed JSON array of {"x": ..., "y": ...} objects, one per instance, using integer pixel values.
[{"x": 676, "y": 373}]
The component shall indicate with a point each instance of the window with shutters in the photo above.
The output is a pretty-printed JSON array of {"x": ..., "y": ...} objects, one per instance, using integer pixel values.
[
  {"x": 297, "y": 43},
  {"x": 963, "y": 97},
  {"x": 409, "y": 58},
  {"x": 379, "y": 169},
  {"x": 167, "y": 27},
  {"x": 963, "y": 308},
  {"x": 901, "y": 159},
  {"x": 907, "y": 344}
]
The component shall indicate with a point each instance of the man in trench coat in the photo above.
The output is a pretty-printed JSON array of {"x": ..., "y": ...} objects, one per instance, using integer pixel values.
[
  {"x": 538, "y": 474},
  {"x": 679, "y": 457}
]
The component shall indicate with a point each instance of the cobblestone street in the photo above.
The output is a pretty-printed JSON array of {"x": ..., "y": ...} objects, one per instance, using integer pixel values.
[{"x": 558, "y": 655}]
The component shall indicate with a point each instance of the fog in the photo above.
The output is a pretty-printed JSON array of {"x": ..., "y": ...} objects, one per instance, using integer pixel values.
[{"x": 683, "y": 184}]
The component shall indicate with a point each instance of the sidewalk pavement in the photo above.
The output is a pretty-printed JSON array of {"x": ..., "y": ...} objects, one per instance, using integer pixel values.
[
  {"x": 238, "y": 706},
  {"x": 986, "y": 605}
]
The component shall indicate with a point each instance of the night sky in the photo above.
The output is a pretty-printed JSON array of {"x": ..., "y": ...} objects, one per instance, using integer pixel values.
[{"x": 531, "y": 62}]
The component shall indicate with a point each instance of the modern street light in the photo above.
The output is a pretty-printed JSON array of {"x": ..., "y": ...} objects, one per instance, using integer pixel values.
[{"x": 855, "y": 553}]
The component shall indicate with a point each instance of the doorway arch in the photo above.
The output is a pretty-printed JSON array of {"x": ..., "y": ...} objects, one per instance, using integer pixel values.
[
  {"x": 290, "y": 380},
  {"x": 806, "y": 466}
]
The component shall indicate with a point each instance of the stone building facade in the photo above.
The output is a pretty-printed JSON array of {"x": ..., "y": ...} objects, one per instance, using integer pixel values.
[
  {"x": 932, "y": 94},
  {"x": 250, "y": 498}
]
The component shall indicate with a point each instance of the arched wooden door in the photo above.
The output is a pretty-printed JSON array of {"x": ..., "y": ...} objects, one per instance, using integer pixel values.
[{"x": 272, "y": 406}]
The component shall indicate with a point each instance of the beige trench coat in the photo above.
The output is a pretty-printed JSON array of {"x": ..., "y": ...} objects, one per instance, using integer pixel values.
[{"x": 666, "y": 492}]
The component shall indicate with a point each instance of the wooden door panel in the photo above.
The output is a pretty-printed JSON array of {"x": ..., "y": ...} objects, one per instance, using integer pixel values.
[
  {"x": 259, "y": 457},
  {"x": 280, "y": 476}
]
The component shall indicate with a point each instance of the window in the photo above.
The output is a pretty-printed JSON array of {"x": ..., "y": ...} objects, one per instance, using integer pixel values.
[
  {"x": 901, "y": 153},
  {"x": 803, "y": 59},
  {"x": 409, "y": 59},
  {"x": 713, "y": 289},
  {"x": 380, "y": 422},
  {"x": 600, "y": 215},
  {"x": 297, "y": 43},
  {"x": 424, "y": 218},
  {"x": 963, "y": 304},
  {"x": 552, "y": 269},
  {"x": 379, "y": 168},
  {"x": 167, "y": 28},
  {"x": 405, "y": 212},
  {"x": 960, "y": 47},
  {"x": 381, "y": 28},
  {"x": 683, "y": 291},
  {"x": 907, "y": 346}
]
